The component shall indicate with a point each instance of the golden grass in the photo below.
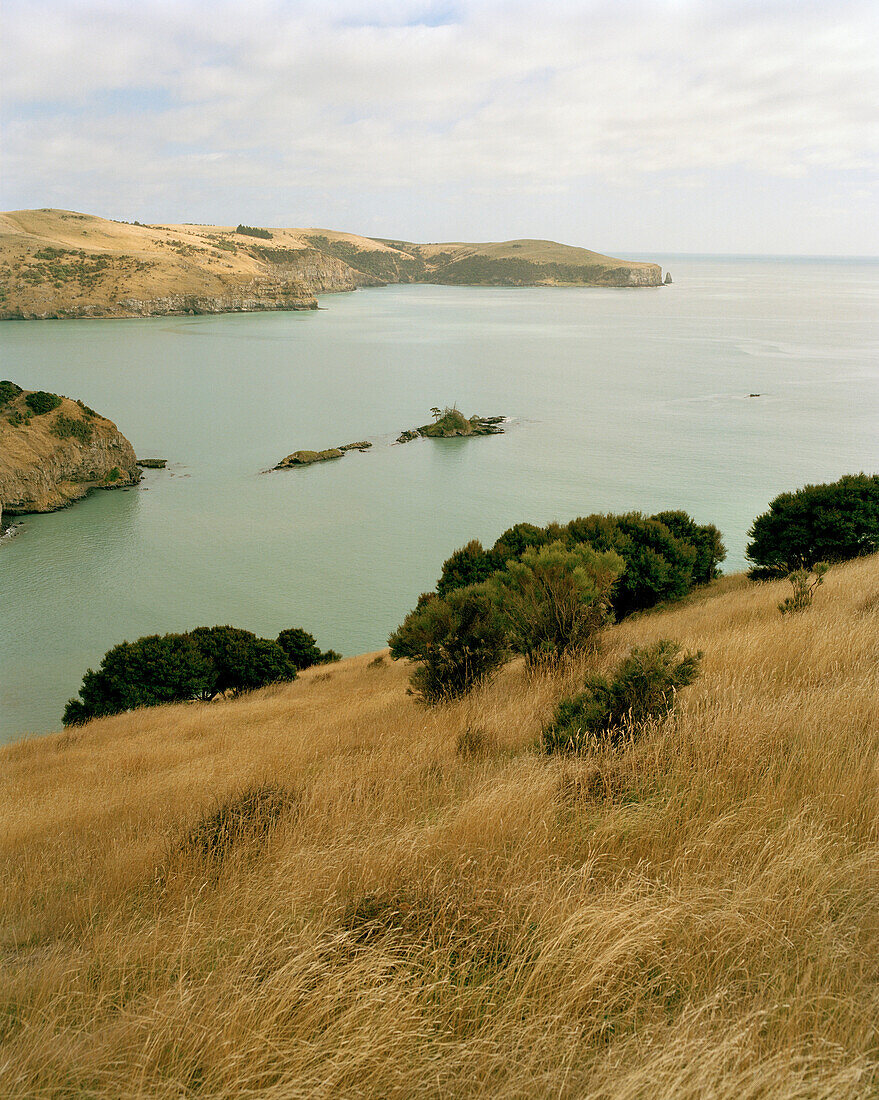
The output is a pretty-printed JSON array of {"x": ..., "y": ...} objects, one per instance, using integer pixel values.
[{"x": 693, "y": 917}]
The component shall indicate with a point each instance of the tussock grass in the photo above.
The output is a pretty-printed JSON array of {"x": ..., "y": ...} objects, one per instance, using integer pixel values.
[{"x": 413, "y": 902}]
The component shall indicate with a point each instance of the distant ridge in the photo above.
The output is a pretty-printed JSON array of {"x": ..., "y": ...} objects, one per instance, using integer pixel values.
[{"x": 60, "y": 263}]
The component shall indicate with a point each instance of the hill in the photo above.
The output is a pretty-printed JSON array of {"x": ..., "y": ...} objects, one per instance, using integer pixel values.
[
  {"x": 323, "y": 889},
  {"x": 59, "y": 263},
  {"x": 50, "y": 458}
]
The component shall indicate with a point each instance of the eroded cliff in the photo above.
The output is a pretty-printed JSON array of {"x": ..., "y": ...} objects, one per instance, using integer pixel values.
[{"x": 52, "y": 454}]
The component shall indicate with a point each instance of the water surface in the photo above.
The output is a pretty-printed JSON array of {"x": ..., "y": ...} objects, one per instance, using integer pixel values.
[{"x": 620, "y": 399}]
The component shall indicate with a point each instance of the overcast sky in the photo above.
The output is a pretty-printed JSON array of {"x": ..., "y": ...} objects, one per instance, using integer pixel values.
[{"x": 638, "y": 126}]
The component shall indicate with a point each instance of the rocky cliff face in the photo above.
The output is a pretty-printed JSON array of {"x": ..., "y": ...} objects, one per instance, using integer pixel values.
[{"x": 52, "y": 458}]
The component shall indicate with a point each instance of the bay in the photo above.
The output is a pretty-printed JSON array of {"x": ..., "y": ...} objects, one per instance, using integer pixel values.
[{"x": 618, "y": 399}]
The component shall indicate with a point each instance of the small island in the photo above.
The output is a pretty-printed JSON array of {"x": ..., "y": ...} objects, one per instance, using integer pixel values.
[
  {"x": 450, "y": 423},
  {"x": 308, "y": 458}
]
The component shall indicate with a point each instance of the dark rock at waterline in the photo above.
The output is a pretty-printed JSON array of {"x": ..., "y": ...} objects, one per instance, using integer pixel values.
[
  {"x": 363, "y": 445},
  {"x": 152, "y": 463},
  {"x": 668, "y": 278},
  {"x": 307, "y": 458}
]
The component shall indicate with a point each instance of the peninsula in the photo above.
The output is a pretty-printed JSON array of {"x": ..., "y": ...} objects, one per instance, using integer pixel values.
[
  {"x": 54, "y": 450},
  {"x": 60, "y": 263}
]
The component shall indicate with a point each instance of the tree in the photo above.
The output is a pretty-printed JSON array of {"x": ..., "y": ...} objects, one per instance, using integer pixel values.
[
  {"x": 242, "y": 661},
  {"x": 644, "y": 687},
  {"x": 553, "y": 600},
  {"x": 302, "y": 650},
  {"x": 659, "y": 566},
  {"x": 155, "y": 669},
  {"x": 469, "y": 565},
  {"x": 831, "y": 522},
  {"x": 457, "y": 642},
  {"x": 706, "y": 538}
]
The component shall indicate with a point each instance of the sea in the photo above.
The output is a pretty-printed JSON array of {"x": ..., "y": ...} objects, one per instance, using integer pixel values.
[{"x": 746, "y": 377}]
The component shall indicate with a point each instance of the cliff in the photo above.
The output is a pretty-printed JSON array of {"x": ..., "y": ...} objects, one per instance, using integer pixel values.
[
  {"x": 58, "y": 263},
  {"x": 50, "y": 458}
]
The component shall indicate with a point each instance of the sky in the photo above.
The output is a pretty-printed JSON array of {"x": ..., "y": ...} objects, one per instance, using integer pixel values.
[{"x": 628, "y": 126}]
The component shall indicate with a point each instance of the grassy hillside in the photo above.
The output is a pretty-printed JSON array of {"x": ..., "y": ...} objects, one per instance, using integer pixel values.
[
  {"x": 416, "y": 904},
  {"x": 59, "y": 263}
]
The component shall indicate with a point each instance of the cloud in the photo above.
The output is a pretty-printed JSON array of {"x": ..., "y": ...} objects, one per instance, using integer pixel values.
[{"x": 501, "y": 93}]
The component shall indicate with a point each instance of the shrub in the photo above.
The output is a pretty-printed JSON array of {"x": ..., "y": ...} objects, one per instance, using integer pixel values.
[
  {"x": 659, "y": 566},
  {"x": 242, "y": 661},
  {"x": 67, "y": 427},
  {"x": 40, "y": 402},
  {"x": 8, "y": 392},
  {"x": 706, "y": 539},
  {"x": 155, "y": 669},
  {"x": 174, "y": 668},
  {"x": 553, "y": 600},
  {"x": 469, "y": 565},
  {"x": 804, "y": 582},
  {"x": 302, "y": 651},
  {"x": 458, "y": 641},
  {"x": 249, "y": 816},
  {"x": 644, "y": 687},
  {"x": 828, "y": 523}
]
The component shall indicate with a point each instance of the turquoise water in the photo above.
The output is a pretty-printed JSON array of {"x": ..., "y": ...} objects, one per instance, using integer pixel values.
[{"x": 619, "y": 399}]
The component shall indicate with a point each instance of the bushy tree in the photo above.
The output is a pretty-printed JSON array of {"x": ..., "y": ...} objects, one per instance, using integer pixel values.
[
  {"x": 706, "y": 539},
  {"x": 302, "y": 650},
  {"x": 174, "y": 668},
  {"x": 828, "y": 523},
  {"x": 644, "y": 687},
  {"x": 457, "y": 642},
  {"x": 40, "y": 402},
  {"x": 659, "y": 566},
  {"x": 665, "y": 555},
  {"x": 469, "y": 565},
  {"x": 242, "y": 661},
  {"x": 169, "y": 668},
  {"x": 553, "y": 600}
]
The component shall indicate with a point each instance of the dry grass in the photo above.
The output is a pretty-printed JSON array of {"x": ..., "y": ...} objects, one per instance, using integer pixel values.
[{"x": 324, "y": 890}]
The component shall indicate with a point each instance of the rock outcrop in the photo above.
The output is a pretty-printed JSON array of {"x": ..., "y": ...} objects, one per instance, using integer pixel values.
[
  {"x": 308, "y": 458},
  {"x": 49, "y": 459},
  {"x": 453, "y": 423}
]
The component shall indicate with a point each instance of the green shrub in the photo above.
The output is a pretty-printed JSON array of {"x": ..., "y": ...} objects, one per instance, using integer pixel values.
[
  {"x": 804, "y": 582},
  {"x": 86, "y": 409},
  {"x": 302, "y": 651},
  {"x": 457, "y": 641},
  {"x": 8, "y": 392},
  {"x": 706, "y": 539},
  {"x": 819, "y": 523},
  {"x": 40, "y": 402},
  {"x": 174, "y": 668},
  {"x": 69, "y": 427},
  {"x": 252, "y": 231},
  {"x": 659, "y": 567},
  {"x": 553, "y": 600},
  {"x": 155, "y": 669},
  {"x": 469, "y": 565},
  {"x": 643, "y": 688},
  {"x": 663, "y": 559}
]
